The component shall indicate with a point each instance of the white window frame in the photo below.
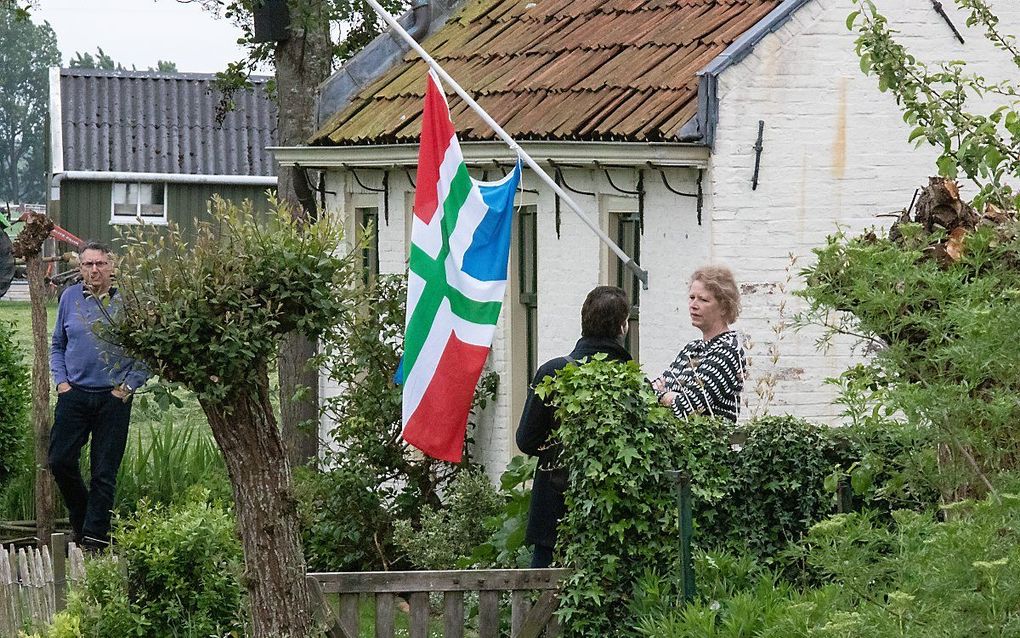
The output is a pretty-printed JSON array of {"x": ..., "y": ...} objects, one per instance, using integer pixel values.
[{"x": 137, "y": 218}]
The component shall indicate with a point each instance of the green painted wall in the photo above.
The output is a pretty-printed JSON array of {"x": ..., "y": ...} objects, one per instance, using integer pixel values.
[{"x": 85, "y": 206}]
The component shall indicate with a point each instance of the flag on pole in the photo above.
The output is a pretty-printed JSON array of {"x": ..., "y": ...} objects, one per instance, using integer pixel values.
[{"x": 460, "y": 246}]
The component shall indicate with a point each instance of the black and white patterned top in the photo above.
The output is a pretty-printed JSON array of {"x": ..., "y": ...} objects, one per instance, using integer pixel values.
[{"x": 708, "y": 377}]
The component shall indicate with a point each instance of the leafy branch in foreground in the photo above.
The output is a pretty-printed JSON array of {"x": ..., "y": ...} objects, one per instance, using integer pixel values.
[{"x": 983, "y": 148}]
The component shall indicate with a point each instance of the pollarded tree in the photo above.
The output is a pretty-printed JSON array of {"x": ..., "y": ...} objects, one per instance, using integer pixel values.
[{"x": 210, "y": 316}]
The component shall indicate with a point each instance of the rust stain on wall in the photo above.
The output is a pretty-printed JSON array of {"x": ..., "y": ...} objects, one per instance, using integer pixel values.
[{"x": 839, "y": 145}]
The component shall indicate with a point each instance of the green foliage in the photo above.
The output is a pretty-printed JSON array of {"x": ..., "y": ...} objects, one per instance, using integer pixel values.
[
  {"x": 177, "y": 573},
  {"x": 619, "y": 446},
  {"x": 165, "y": 460},
  {"x": 14, "y": 405},
  {"x": 448, "y": 535},
  {"x": 27, "y": 51},
  {"x": 945, "y": 335},
  {"x": 101, "y": 60},
  {"x": 345, "y": 524},
  {"x": 209, "y": 315},
  {"x": 505, "y": 546},
  {"x": 762, "y": 493},
  {"x": 918, "y": 577},
  {"x": 981, "y": 147}
]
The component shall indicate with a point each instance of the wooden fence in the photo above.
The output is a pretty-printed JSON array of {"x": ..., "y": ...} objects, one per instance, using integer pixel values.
[
  {"x": 33, "y": 583},
  {"x": 527, "y": 620}
]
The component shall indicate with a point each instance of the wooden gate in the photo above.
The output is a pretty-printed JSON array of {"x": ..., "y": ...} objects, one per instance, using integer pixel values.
[{"x": 526, "y": 620}]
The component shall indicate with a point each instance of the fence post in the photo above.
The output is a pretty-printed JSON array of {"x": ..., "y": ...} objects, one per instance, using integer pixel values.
[
  {"x": 683, "y": 488},
  {"x": 58, "y": 554}
]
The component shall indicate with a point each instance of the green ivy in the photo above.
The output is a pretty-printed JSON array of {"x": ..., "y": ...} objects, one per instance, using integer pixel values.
[{"x": 622, "y": 518}]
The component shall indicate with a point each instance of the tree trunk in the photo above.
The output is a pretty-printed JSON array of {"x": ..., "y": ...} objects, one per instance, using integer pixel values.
[
  {"x": 267, "y": 519},
  {"x": 41, "y": 419},
  {"x": 302, "y": 63}
]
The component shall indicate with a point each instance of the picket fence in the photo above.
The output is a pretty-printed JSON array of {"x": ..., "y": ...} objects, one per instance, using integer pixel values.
[{"x": 33, "y": 583}]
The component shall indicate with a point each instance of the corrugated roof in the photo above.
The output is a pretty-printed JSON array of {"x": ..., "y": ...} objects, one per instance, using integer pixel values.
[
  {"x": 146, "y": 122},
  {"x": 591, "y": 70}
]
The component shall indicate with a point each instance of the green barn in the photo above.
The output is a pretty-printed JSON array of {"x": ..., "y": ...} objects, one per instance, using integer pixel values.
[{"x": 129, "y": 147}]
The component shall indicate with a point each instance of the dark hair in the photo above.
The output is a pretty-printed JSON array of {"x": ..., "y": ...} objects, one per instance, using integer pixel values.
[
  {"x": 604, "y": 311},
  {"x": 93, "y": 245}
]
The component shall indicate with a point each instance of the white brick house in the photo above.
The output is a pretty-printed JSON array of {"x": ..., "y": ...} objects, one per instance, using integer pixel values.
[{"x": 834, "y": 151}]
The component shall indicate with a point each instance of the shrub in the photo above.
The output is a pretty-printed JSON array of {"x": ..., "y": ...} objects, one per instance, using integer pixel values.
[
  {"x": 177, "y": 573},
  {"x": 448, "y": 535},
  {"x": 14, "y": 405},
  {"x": 505, "y": 546},
  {"x": 776, "y": 488},
  {"x": 344, "y": 524}
]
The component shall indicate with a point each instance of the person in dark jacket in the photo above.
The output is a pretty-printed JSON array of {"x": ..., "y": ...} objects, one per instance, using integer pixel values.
[{"x": 604, "y": 321}]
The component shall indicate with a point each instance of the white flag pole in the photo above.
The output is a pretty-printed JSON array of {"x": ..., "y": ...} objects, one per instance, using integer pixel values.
[{"x": 641, "y": 273}]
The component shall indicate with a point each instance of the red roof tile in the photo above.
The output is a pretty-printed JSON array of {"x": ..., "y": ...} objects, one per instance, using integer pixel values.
[{"x": 557, "y": 70}]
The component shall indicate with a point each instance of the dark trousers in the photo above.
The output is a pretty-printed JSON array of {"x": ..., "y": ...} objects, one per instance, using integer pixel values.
[
  {"x": 542, "y": 556},
  {"x": 80, "y": 414}
]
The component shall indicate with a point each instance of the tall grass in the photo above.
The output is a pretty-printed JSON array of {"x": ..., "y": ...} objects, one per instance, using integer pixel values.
[{"x": 165, "y": 458}]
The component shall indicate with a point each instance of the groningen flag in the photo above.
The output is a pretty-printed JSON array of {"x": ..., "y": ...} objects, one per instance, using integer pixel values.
[{"x": 460, "y": 245}]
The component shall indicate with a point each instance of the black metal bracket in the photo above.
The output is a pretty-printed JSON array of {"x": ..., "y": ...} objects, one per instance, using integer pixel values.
[
  {"x": 945, "y": 16},
  {"x": 385, "y": 189},
  {"x": 639, "y": 191},
  {"x": 700, "y": 195},
  {"x": 758, "y": 148},
  {"x": 561, "y": 181}
]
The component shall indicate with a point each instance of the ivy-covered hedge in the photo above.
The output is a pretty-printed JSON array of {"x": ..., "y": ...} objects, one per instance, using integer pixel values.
[{"x": 757, "y": 487}]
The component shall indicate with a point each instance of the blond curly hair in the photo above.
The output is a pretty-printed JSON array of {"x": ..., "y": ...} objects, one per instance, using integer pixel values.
[{"x": 720, "y": 282}]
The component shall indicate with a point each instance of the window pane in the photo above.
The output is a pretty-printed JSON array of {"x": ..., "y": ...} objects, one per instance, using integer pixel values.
[{"x": 119, "y": 193}]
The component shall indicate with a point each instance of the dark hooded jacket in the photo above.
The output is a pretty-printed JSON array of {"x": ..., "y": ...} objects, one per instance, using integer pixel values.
[{"x": 537, "y": 423}]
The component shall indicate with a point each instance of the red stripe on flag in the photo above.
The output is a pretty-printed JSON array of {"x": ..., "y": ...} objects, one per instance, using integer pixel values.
[
  {"x": 438, "y": 425},
  {"x": 436, "y": 133}
]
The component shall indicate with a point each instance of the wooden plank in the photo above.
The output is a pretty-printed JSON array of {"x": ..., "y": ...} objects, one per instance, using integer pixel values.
[
  {"x": 384, "y": 615},
  {"x": 450, "y": 580},
  {"x": 553, "y": 629},
  {"x": 350, "y": 614},
  {"x": 488, "y": 614},
  {"x": 59, "y": 544},
  {"x": 519, "y": 607},
  {"x": 539, "y": 616},
  {"x": 324, "y": 613},
  {"x": 419, "y": 621},
  {"x": 453, "y": 614}
]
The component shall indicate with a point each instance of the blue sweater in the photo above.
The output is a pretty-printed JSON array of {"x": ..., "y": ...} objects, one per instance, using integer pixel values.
[{"x": 79, "y": 356}]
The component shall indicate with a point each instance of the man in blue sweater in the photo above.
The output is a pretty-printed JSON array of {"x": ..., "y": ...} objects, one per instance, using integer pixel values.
[{"x": 95, "y": 383}]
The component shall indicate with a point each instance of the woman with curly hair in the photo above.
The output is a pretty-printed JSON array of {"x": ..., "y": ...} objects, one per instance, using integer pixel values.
[{"x": 707, "y": 376}]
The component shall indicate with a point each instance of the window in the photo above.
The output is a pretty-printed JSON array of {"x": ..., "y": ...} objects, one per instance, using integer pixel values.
[
  {"x": 625, "y": 230},
  {"x": 366, "y": 220},
  {"x": 527, "y": 282},
  {"x": 522, "y": 308},
  {"x": 138, "y": 203}
]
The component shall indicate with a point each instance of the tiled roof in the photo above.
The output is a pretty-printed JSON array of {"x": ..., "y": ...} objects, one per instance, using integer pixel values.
[
  {"x": 146, "y": 122},
  {"x": 592, "y": 70}
]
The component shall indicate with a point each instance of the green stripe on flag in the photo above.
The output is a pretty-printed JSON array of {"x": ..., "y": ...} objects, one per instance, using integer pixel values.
[{"x": 433, "y": 271}]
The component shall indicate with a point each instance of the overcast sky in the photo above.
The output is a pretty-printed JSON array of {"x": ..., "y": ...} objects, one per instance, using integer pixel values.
[{"x": 140, "y": 32}]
